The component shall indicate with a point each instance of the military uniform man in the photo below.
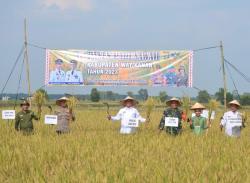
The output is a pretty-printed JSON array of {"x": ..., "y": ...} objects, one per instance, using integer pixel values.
[
  {"x": 58, "y": 75},
  {"x": 232, "y": 120},
  {"x": 23, "y": 120},
  {"x": 172, "y": 112},
  {"x": 74, "y": 76}
]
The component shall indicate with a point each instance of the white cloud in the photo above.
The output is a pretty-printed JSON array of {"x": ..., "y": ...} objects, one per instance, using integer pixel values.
[{"x": 84, "y": 5}]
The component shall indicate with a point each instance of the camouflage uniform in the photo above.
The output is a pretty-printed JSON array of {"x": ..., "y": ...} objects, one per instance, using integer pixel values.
[{"x": 170, "y": 112}]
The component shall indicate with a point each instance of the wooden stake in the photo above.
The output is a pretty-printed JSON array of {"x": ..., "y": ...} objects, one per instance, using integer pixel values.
[
  {"x": 224, "y": 75},
  {"x": 26, "y": 58}
]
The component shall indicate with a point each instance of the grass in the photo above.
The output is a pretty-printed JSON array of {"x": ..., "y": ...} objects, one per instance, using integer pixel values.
[{"x": 94, "y": 151}]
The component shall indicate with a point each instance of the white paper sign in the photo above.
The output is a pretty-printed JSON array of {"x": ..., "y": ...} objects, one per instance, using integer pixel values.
[
  {"x": 205, "y": 114},
  {"x": 132, "y": 122},
  {"x": 172, "y": 122},
  {"x": 235, "y": 121},
  {"x": 8, "y": 114},
  {"x": 50, "y": 119}
]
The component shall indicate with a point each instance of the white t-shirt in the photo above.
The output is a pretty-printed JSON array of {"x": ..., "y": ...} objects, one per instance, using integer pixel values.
[
  {"x": 232, "y": 121},
  {"x": 125, "y": 113}
]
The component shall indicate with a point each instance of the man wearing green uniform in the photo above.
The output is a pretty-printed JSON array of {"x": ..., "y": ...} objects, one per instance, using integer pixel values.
[
  {"x": 198, "y": 123},
  {"x": 24, "y": 118},
  {"x": 174, "y": 113}
]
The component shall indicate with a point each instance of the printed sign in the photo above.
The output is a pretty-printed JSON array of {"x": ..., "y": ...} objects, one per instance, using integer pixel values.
[
  {"x": 50, "y": 119},
  {"x": 171, "y": 68},
  {"x": 8, "y": 114},
  {"x": 235, "y": 121},
  {"x": 171, "y": 122},
  {"x": 132, "y": 122}
]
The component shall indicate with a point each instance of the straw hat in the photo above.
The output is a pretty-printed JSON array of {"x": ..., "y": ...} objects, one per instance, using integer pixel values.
[
  {"x": 129, "y": 98},
  {"x": 25, "y": 102},
  {"x": 197, "y": 106},
  {"x": 61, "y": 99},
  {"x": 173, "y": 99},
  {"x": 235, "y": 102}
]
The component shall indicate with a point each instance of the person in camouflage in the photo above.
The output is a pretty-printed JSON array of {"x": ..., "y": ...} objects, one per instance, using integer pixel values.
[
  {"x": 174, "y": 112},
  {"x": 23, "y": 120}
]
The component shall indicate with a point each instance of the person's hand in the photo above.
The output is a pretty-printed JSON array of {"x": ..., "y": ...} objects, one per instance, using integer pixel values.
[{"x": 109, "y": 117}]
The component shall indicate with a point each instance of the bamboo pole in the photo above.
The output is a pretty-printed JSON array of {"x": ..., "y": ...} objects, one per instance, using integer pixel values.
[
  {"x": 224, "y": 74},
  {"x": 26, "y": 58}
]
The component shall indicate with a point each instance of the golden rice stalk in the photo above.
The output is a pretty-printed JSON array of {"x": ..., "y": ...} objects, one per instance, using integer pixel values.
[
  {"x": 212, "y": 106},
  {"x": 39, "y": 99},
  {"x": 186, "y": 106},
  {"x": 149, "y": 106},
  {"x": 72, "y": 102},
  {"x": 244, "y": 116}
]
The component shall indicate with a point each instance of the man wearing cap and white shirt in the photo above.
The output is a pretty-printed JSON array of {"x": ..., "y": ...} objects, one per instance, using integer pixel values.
[
  {"x": 126, "y": 113},
  {"x": 232, "y": 120},
  {"x": 58, "y": 75},
  {"x": 74, "y": 76}
]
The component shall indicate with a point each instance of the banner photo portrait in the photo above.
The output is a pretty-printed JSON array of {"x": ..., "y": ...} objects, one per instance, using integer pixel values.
[{"x": 124, "y": 68}]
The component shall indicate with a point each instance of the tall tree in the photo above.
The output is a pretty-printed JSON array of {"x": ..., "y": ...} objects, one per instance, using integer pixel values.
[
  {"x": 110, "y": 95},
  {"x": 130, "y": 93},
  {"x": 245, "y": 99},
  {"x": 163, "y": 96},
  {"x": 143, "y": 94},
  {"x": 203, "y": 96},
  {"x": 220, "y": 96},
  {"x": 95, "y": 95}
]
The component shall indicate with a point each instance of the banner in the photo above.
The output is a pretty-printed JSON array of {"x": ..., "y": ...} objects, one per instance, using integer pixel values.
[{"x": 124, "y": 68}]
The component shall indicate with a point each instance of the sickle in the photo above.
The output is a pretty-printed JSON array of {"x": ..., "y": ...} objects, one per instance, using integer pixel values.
[{"x": 107, "y": 107}]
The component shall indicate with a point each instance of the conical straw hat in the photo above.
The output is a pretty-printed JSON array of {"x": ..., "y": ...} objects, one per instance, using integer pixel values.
[
  {"x": 235, "y": 102},
  {"x": 61, "y": 99},
  {"x": 129, "y": 98},
  {"x": 197, "y": 106},
  {"x": 173, "y": 99}
]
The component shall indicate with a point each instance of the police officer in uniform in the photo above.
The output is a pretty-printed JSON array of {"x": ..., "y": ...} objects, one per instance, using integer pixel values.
[
  {"x": 74, "y": 76},
  {"x": 58, "y": 75},
  {"x": 23, "y": 120}
]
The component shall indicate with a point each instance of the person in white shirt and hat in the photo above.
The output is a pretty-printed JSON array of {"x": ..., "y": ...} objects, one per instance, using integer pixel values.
[
  {"x": 128, "y": 114},
  {"x": 232, "y": 120},
  {"x": 74, "y": 76},
  {"x": 57, "y": 75},
  {"x": 64, "y": 116}
]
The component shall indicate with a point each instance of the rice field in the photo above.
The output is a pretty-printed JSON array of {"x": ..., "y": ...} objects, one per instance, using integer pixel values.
[{"x": 94, "y": 151}]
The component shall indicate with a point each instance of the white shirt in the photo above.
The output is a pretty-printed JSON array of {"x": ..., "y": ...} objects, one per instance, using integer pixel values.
[
  {"x": 232, "y": 121},
  {"x": 74, "y": 76},
  {"x": 125, "y": 113},
  {"x": 57, "y": 76}
]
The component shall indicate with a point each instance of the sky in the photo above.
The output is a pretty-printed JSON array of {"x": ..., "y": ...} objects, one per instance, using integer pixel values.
[{"x": 128, "y": 25}]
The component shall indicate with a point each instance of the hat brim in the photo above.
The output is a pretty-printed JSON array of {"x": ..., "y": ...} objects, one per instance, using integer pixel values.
[
  {"x": 170, "y": 101},
  {"x": 59, "y": 101},
  {"x": 25, "y": 104},
  {"x": 230, "y": 104},
  {"x": 134, "y": 102}
]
